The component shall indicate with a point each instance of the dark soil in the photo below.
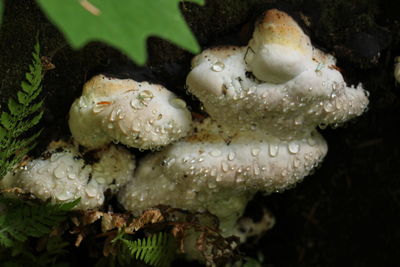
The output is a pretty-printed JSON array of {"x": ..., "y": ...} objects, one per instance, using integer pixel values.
[{"x": 348, "y": 212}]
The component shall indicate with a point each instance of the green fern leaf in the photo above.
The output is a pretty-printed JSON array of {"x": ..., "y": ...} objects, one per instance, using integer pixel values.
[
  {"x": 157, "y": 250},
  {"x": 24, "y": 113},
  {"x": 23, "y": 219}
]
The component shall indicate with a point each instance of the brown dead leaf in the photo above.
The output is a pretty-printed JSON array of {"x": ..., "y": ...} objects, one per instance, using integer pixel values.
[
  {"x": 79, "y": 239},
  {"x": 111, "y": 221},
  {"x": 90, "y": 217},
  {"x": 47, "y": 64},
  {"x": 178, "y": 231},
  {"x": 149, "y": 216},
  {"x": 14, "y": 190}
]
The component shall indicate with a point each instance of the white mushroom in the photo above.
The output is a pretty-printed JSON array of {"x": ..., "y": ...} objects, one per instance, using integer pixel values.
[
  {"x": 211, "y": 170},
  {"x": 141, "y": 115},
  {"x": 61, "y": 175},
  {"x": 279, "y": 50},
  {"x": 265, "y": 101},
  {"x": 278, "y": 84}
]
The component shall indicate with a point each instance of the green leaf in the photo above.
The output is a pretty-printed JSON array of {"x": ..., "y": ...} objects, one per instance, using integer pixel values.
[
  {"x": 22, "y": 97},
  {"x": 22, "y": 116},
  {"x": 124, "y": 24},
  {"x": 24, "y": 219},
  {"x": 156, "y": 250},
  {"x": 3, "y": 133},
  {"x": 6, "y": 120},
  {"x": 14, "y": 107}
]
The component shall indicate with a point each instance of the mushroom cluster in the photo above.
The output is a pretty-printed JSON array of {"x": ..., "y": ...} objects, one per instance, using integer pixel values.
[
  {"x": 62, "y": 175},
  {"x": 264, "y": 101}
]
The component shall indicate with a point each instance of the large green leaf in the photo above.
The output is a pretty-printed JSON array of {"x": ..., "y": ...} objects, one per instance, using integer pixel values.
[{"x": 124, "y": 24}]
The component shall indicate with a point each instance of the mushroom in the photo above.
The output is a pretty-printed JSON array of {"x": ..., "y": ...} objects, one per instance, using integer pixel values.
[
  {"x": 137, "y": 114},
  {"x": 265, "y": 101},
  {"x": 278, "y": 84},
  {"x": 62, "y": 175},
  {"x": 211, "y": 170}
]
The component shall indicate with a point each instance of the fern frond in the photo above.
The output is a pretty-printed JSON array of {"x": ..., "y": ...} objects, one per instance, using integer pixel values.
[
  {"x": 23, "y": 113},
  {"x": 23, "y": 219},
  {"x": 156, "y": 250}
]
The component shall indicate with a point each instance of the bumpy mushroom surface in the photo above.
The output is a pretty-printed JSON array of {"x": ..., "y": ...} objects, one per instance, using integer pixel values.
[
  {"x": 265, "y": 101},
  {"x": 137, "y": 114},
  {"x": 215, "y": 171},
  {"x": 278, "y": 84},
  {"x": 61, "y": 175}
]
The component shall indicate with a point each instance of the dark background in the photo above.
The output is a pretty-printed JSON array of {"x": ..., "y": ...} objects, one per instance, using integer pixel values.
[{"x": 348, "y": 212}]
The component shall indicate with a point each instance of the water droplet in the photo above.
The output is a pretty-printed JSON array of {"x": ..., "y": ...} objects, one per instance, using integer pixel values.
[
  {"x": 177, "y": 103},
  {"x": 255, "y": 152},
  {"x": 72, "y": 176},
  {"x": 231, "y": 155},
  {"x": 218, "y": 66},
  {"x": 256, "y": 169},
  {"x": 273, "y": 150},
  {"x": 134, "y": 104},
  {"x": 145, "y": 97},
  {"x": 64, "y": 195},
  {"x": 99, "y": 107},
  {"x": 311, "y": 141},
  {"x": 91, "y": 192},
  {"x": 59, "y": 172},
  {"x": 113, "y": 115},
  {"x": 121, "y": 114},
  {"x": 216, "y": 153},
  {"x": 224, "y": 166},
  {"x": 293, "y": 147},
  {"x": 82, "y": 102},
  {"x": 329, "y": 107},
  {"x": 298, "y": 120}
]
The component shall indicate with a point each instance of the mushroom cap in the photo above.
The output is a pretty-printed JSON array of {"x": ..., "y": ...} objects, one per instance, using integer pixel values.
[
  {"x": 279, "y": 50},
  {"x": 63, "y": 176},
  {"x": 137, "y": 114},
  {"x": 211, "y": 170},
  {"x": 318, "y": 95}
]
